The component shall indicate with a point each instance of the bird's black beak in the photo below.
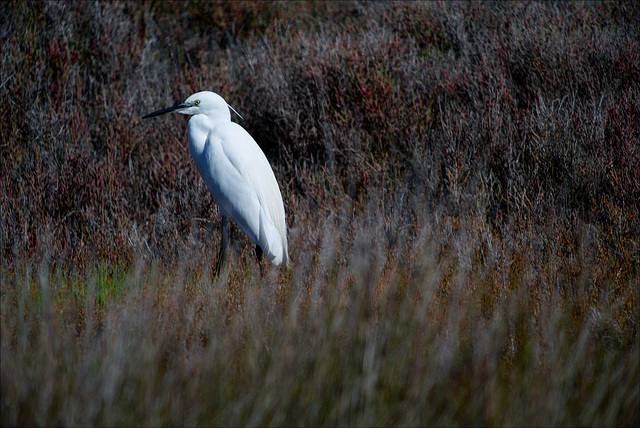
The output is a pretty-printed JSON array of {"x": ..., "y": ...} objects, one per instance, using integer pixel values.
[{"x": 166, "y": 110}]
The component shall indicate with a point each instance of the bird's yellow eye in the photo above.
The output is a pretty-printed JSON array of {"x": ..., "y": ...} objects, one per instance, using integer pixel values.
[{"x": 197, "y": 103}]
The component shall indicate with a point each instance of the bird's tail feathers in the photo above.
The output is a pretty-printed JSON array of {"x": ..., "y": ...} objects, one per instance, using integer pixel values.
[{"x": 270, "y": 241}]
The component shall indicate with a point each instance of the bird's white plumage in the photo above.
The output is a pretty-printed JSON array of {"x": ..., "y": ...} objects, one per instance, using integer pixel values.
[
  {"x": 236, "y": 172},
  {"x": 242, "y": 182}
]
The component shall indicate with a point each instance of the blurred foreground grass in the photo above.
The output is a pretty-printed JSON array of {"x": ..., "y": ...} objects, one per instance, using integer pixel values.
[
  {"x": 463, "y": 328},
  {"x": 461, "y": 180}
]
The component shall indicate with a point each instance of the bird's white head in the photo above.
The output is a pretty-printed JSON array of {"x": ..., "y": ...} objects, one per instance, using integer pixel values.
[
  {"x": 207, "y": 103},
  {"x": 204, "y": 102}
]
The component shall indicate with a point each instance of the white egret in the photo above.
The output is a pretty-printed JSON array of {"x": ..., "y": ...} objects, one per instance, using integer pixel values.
[{"x": 237, "y": 173}]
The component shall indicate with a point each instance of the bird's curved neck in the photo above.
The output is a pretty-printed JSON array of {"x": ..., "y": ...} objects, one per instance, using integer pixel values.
[{"x": 197, "y": 130}]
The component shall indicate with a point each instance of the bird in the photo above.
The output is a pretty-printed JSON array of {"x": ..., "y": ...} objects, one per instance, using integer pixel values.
[{"x": 237, "y": 173}]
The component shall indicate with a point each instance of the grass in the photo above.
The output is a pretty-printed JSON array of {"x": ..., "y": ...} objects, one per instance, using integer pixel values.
[{"x": 461, "y": 182}]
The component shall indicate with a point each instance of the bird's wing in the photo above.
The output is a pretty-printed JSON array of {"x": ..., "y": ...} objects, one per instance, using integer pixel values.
[{"x": 244, "y": 186}]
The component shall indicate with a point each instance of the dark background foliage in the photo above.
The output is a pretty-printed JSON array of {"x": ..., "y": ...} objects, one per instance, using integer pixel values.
[{"x": 531, "y": 107}]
